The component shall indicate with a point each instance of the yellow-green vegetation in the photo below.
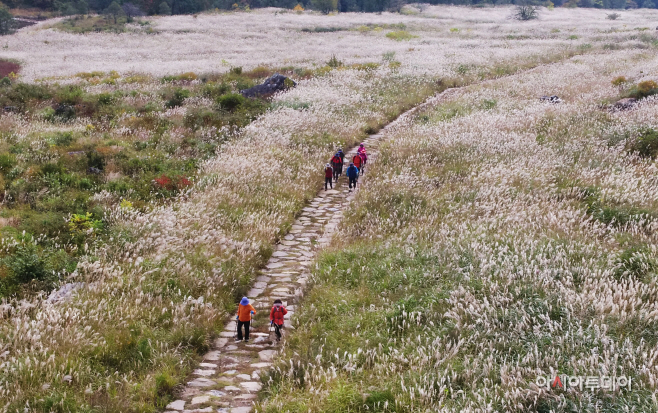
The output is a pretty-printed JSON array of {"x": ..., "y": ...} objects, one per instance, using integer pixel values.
[{"x": 400, "y": 35}]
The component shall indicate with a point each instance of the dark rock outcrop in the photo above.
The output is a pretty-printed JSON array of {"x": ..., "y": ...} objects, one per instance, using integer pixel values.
[
  {"x": 624, "y": 104},
  {"x": 270, "y": 86},
  {"x": 550, "y": 99}
]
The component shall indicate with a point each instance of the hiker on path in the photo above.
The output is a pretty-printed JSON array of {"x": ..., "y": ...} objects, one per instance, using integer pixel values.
[
  {"x": 357, "y": 161},
  {"x": 352, "y": 174},
  {"x": 364, "y": 159},
  {"x": 337, "y": 164},
  {"x": 245, "y": 310},
  {"x": 361, "y": 148},
  {"x": 341, "y": 154},
  {"x": 276, "y": 317},
  {"x": 328, "y": 176}
]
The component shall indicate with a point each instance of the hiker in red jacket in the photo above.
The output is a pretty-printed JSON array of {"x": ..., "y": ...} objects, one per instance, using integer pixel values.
[
  {"x": 328, "y": 176},
  {"x": 364, "y": 159},
  {"x": 276, "y": 317},
  {"x": 337, "y": 164},
  {"x": 357, "y": 161}
]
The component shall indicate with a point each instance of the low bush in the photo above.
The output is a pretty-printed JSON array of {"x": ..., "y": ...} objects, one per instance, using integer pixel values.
[
  {"x": 400, "y": 35},
  {"x": 643, "y": 89},
  {"x": 646, "y": 144},
  {"x": 524, "y": 12},
  {"x": 231, "y": 101},
  {"x": 619, "y": 81},
  {"x": 176, "y": 97}
]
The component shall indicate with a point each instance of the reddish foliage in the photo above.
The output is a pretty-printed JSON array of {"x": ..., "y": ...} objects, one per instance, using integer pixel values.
[
  {"x": 183, "y": 182},
  {"x": 178, "y": 182},
  {"x": 164, "y": 182},
  {"x": 7, "y": 67}
]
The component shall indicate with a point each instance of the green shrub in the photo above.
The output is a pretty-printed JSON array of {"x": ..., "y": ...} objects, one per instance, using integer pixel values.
[
  {"x": 644, "y": 89},
  {"x": 176, "y": 97},
  {"x": 646, "y": 144},
  {"x": 21, "y": 94},
  {"x": 69, "y": 95},
  {"x": 105, "y": 99},
  {"x": 231, "y": 101},
  {"x": 236, "y": 70},
  {"x": 164, "y": 385},
  {"x": 83, "y": 225},
  {"x": 25, "y": 264},
  {"x": 95, "y": 160},
  {"x": 334, "y": 62},
  {"x": 64, "y": 112},
  {"x": 525, "y": 12},
  {"x": 7, "y": 162},
  {"x": 62, "y": 138},
  {"x": 618, "y": 81},
  {"x": 215, "y": 90},
  {"x": 52, "y": 169},
  {"x": 319, "y": 29}
]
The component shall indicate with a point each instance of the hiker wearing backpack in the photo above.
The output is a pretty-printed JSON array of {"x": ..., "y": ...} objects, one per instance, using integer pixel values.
[
  {"x": 276, "y": 317},
  {"x": 352, "y": 174},
  {"x": 337, "y": 164},
  {"x": 357, "y": 161},
  {"x": 342, "y": 155},
  {"x": 364, "y": 159},
  {"x": 361, "y": 148},
  {"x": 328, "y": 176},
  {"x": 245, "y": 310}
]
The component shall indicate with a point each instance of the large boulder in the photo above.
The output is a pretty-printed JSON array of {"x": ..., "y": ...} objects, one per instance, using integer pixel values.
[{"x": 270, "y": 86}]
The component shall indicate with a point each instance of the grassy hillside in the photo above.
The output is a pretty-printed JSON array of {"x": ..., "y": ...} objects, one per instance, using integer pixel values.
[
  {"x": 498, "y": 238},
  {"x": 155, "y": 197}
]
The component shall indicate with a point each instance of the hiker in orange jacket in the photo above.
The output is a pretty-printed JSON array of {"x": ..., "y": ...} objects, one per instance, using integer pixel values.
[
  {"x": 276, "y": 317},
  {"x": 245, "y": 310}
]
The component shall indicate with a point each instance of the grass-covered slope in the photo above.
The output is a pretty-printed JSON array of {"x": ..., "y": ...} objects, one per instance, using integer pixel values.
[
  {"x": 70, "y": 151},
  {"x": 497, "y": 238},
  {"x": 156, "y": 287}
]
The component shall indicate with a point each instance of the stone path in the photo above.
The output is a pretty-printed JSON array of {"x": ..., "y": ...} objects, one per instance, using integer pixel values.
[{"x": 228, "y": 379}]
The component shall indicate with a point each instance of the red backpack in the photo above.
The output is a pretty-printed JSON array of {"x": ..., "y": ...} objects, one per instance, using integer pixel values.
[{"x": 336, "y": 160}]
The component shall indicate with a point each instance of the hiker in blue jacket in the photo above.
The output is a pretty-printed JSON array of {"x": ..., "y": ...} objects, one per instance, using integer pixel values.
[{"x": 352, "y": 174}]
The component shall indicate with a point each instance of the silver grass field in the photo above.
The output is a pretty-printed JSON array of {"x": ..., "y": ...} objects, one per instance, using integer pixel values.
[{"x": 497, "y": 237}]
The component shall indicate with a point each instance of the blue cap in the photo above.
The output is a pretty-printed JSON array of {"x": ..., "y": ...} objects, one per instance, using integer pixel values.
[{"x": 244, "y": 301}]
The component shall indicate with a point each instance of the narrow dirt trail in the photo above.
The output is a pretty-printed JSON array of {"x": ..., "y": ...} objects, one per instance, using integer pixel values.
[{"x": 228, "y": 379}]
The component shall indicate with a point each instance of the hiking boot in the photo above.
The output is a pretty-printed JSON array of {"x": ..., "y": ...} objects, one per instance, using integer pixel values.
[{"x": 246, "y": 341}]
